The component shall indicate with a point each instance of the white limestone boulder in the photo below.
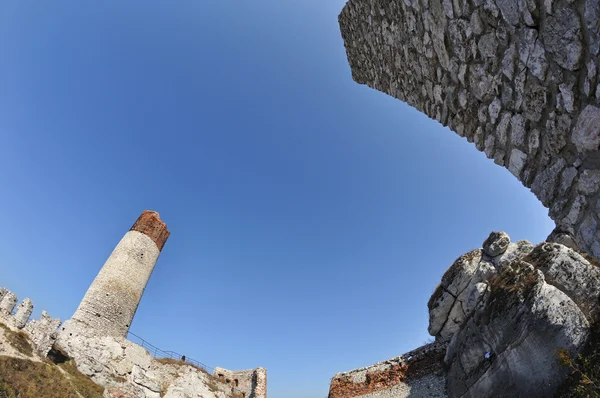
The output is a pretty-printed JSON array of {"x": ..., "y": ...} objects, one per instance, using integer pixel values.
[{"x": 509, "y": 346}]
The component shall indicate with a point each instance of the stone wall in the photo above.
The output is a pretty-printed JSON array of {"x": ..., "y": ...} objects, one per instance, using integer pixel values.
[
  {"x": 416, "y": 374},
  {"x": 252, "y": 382},
  {"x": 518, "y": 78},
  {"x": 42, "y": 332}
]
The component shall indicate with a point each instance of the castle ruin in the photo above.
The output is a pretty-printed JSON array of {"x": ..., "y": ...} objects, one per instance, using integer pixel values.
[{"x": 95, "y": 337}]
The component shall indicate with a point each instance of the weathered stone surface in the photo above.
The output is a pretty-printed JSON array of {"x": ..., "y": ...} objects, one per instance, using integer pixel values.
[
  {"x": 517, "y": 162},
  {"x": 588, "y": 229},
  {"x": 510, "y": 345},
  {"x": 589, "y": 182},
  {"x": 108, "y": 358},
  {"x": 591, "y": 17},
  {"x": 7, "y": 304},
  {"x": 454, "y": 282},
  {"x": 496, "y": 243},
  {"x": 416, "y": 374},
  {"x": 586, "y": 135},
  {"x": 563, "y": 38},
  {"x": 566, "y": 180},
  {"x": 251, "y": 382},
  {"x": 544, "y": 184},
  {"x": 515, "y": 251},
  {"x": 564, "y": 238},
  {"x": 568, "y": 271},
  {"x": 575, "y": 210},
  {"x": 111, "y": 301},
  {"x": 43, "y": 332},
  {"x": 22, "y": 314},
  {"x": 533, "y": 302},
  {"x": 457, "y": 296}
]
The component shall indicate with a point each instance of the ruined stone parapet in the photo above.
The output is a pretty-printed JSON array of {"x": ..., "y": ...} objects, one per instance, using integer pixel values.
[
  {"x": 111, "y": 301},
  {"x": 252, "y": 382},
  {"x": 519, "y": 79},
  {"x": 43, "y": 332},
  {"x": 24, "y": 310},
  {"x": 416, "y": 374},
  {"x": 7, "y": 305}
]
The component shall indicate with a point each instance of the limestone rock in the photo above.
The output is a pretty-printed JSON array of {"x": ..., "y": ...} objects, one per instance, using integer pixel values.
[
  {"x": 586, "y": 135},
  {"x": 43, "y": 332},
  {"x": 496, "y": 243},
  {"x": 568, "y": 271},
  {"x": 7, "y": 304},
  {"x": 564, "y": 238},
  {"x": 515, "y": 251},
  {"x": 190, "y": 383},
  {"x": 517, "y": 162},
  {"x": 563, "y": 38},
  {"x": 589, "y": 182},
  {"x": 508, "y": 308},
  {"x": 509, "y": 345},
  {"x": 454, "y": 283}
]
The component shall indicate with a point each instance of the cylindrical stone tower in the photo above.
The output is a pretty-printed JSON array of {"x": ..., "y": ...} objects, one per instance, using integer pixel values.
[{"x": 110, "y": 303}]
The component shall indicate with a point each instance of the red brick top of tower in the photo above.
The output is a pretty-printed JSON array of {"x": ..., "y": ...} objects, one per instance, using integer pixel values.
[{"x": 150, "y": 224}]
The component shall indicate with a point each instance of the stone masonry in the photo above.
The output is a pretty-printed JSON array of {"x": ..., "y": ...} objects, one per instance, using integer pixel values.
[
  {"x": 111, "y": 301},
  {"x": 417, "y": 374},
  {"x": 42, "y": 332},
  {"x": 518, "y": 78},
  {"x": 252, "y": 383}
]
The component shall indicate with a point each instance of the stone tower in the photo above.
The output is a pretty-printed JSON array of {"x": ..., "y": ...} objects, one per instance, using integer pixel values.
[{"x": 111, "y": 301}]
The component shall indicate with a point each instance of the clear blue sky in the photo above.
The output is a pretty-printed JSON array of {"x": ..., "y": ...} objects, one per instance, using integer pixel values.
[{"x": 310, "y": 217}]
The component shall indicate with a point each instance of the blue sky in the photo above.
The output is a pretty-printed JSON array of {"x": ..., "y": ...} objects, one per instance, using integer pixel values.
[{"x": 311, "y": 217}]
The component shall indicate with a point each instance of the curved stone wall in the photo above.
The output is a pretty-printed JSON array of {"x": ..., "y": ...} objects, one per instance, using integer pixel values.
[{"x": 519, "y": 78}]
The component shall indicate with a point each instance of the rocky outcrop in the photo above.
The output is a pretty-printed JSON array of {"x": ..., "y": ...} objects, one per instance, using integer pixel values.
[
  {"x": 500, "y": 316},
  {"x": 518, "y": 78},
  {"x": 508, "y": 309},
  {"x": 463, "y": 284},
  {"x": 126, "y": 369},
  {"x": 43, "y": 332}
]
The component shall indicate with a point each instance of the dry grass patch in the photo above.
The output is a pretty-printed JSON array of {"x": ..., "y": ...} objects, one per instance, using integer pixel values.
[
  {"x": 584, "y": 370},
  {"x": 18, "y": 340},
  {"x": 82, "y": 384},
  {"x": 22, "y": 378},
  {"x": 178, "y": 362}
]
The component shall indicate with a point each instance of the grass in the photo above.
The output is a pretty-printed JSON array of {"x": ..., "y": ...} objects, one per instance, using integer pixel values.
[
  {"x": 23, "y": 378},
  {"x": 82, "y": 384},
  {"x": 18, "y": 340},
  {"x": 584, "y": 378},
  {"x": 513, "y": 284},
  {"x": 177, "y": 362}
]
